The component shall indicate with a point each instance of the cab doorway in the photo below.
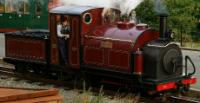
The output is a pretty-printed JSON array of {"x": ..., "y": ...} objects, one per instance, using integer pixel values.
[{"x": 63, "y": 32}]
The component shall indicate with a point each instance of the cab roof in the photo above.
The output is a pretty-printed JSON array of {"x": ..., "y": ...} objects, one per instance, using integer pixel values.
[{"x": 74, "y": 10}]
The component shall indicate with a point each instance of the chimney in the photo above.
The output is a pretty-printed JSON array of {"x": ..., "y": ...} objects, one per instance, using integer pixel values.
[{"x": 163, "y": 26}]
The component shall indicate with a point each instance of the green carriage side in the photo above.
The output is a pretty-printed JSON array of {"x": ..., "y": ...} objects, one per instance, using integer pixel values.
[{"x": 23, "y": 14}]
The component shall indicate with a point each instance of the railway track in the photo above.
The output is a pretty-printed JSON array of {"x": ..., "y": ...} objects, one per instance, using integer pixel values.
[
  {"x": 10, "y": 72},
  {"x": 183, "y": 99},
  {"x": 6, "y": 69},
  {"x": 32, "y": 77}
]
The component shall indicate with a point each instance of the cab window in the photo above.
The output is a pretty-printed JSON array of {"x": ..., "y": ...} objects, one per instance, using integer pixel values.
[
  {"x": 111, "y": 15},
  {"x": 2, "y": 3},
  {"x": 87, "y": 18}
]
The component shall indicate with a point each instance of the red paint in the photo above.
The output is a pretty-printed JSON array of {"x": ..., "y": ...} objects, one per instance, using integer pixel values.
[
  {"x": 138, "y": 62},
  {"x": 53, "y": 41},
  {"x": 120, "y": 43},
  {"x": 25, "y": 48},
  {"x": 133, "y": 37},
  {"x": 119, "y": 60},
  {"x": 54, "y": 3},
  {"x": 3, "y": 30},
  {"x": 166, "y": 86},
  {"x": 93, "y": 56},
  {"x": 123, "y": 40},
  {"x": 96, "y": 21},
  {"x": 192, "y": 80},
  {"x": 100, "y": 30},
  {"x": 74, "y": 42},
  {"x": 125, "y": 25},
  {"x": 116, "y": 45},
  {"x": 145, "y": 37},
  {"x": 117, "y": 57}
]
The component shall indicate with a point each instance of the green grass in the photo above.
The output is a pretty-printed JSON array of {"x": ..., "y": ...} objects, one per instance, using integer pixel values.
[
  {"x": 193, "y": 45},
  {"x": 88, "y": 96}
]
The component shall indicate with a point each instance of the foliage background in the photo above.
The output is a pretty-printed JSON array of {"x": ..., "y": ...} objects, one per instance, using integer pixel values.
[{"x": 183, "y": 16}]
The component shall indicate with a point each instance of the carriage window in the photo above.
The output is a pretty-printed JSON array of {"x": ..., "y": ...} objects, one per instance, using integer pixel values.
[
  {"x": 38, "y": 7},
  {"x": 2, "y": 6},
  {"x": 9, "y": 6},
  {"x": 23, "y": 7},
  {"x": 87, "y": 18},
  {"x": 17, "y": 6}
]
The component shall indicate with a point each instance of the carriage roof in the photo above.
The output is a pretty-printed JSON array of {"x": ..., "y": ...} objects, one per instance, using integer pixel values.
[{"x": 75, "y": 10}]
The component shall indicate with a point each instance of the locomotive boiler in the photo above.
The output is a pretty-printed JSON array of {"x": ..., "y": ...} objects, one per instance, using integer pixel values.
[{"x": 105, "y": 49}]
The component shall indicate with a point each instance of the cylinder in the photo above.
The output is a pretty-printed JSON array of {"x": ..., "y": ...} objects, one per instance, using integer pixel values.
[{"x": 138, "y": 62}]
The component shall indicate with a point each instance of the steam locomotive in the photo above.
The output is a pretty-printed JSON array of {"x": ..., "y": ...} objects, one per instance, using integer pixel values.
[{"x": 106, "y": 50}]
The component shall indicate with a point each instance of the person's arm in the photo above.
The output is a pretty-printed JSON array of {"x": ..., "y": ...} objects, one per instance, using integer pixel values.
[{"x": 59, "y": 31}]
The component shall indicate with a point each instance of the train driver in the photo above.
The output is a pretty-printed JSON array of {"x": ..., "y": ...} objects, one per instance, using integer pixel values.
[{"x": 63, "y": 33}]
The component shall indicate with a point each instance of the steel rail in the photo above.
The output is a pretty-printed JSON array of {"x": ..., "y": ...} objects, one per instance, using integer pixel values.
[{"x": 183, "y": 99}]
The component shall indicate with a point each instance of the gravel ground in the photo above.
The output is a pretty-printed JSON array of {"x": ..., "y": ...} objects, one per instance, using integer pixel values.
[{"x": 70, "y": 95}]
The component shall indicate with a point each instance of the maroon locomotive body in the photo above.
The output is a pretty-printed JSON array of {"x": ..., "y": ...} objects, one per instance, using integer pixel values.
[
  {"x": 31, "y": 46},
  {"x": 107, "y": 49}
]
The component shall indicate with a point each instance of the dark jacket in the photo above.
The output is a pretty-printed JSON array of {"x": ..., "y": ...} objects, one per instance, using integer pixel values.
[{"x": 65, "y": 30}]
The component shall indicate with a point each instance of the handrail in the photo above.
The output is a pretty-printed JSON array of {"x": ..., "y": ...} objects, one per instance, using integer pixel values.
[
  {"x": 106, "y": 38},
  {"x": 186, "y": 66}
]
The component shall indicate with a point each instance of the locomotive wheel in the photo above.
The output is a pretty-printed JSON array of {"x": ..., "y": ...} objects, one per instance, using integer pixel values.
[
  {"x": 19, "y": 67},
  {"x": 37, "y": 70},
  {"x": 91, "y": 80}
]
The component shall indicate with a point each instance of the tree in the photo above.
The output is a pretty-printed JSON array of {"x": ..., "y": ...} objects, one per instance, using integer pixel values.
[{"x": 182, "y": 14}]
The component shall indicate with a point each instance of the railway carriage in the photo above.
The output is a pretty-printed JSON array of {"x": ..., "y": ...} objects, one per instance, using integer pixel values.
[
  {"x": 108, "y": 51},
  {"x": 25, "y": 14}
]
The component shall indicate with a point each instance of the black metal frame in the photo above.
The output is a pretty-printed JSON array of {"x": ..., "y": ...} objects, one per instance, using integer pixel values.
[{"x": 186, "y": 66}]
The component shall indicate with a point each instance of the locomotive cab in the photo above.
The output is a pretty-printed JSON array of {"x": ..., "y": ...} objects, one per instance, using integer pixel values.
[{"x": 81, "y": 20}]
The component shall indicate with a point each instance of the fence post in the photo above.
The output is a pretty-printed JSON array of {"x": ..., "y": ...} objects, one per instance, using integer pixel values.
[{"x": 181, "y": 28}]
